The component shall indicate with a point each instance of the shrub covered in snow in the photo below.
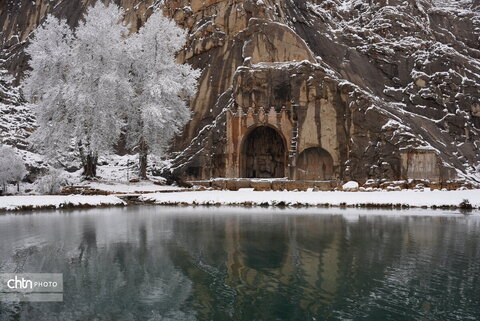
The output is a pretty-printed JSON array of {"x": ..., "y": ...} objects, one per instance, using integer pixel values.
[
  {"x": 53, "y": 182},
  {"x": 12, "y": 168}
]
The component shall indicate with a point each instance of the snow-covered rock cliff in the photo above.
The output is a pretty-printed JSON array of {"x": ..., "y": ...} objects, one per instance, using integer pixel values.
[{"x": 401, "y": 78}]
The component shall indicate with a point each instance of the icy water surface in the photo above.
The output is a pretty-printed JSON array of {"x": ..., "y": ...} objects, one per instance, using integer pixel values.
[{"x": 160, "y": 263}]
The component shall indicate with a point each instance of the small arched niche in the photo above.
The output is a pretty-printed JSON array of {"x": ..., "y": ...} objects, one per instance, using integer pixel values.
[
  {"x": 263, "y": 154},
  {"x": 314, "y": 163}
]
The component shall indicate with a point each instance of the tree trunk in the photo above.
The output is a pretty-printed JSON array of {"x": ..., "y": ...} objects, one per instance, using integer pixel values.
[
  {"x": 90, "y": 165},
  {"x": 89, "y": 161},
  {"x": 142, "y": 158}
]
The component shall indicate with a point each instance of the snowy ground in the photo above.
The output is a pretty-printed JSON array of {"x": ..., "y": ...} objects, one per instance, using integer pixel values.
[
  {"x": 411, "y": 198},
  {"x": 10, "y": 203}
]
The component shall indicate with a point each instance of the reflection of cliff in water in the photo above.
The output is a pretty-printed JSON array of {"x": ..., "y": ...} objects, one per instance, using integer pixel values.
[
  {"x": 296, "y": 267},
  {"x": 148, "y": 263}
]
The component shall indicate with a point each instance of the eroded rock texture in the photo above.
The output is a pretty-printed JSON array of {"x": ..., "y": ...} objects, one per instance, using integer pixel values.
[{"x": 343, "y": 89}]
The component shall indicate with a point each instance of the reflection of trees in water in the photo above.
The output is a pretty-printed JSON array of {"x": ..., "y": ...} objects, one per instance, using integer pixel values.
[
  {"x": 138, "y": 278},
  {"x": 198, "y": 250},
  {"x": 128, "y": 280},
  {"x": 89, "y": 240}
]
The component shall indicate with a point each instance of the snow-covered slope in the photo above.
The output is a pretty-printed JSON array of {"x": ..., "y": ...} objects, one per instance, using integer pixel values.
[{"x": 421, "y": 57}]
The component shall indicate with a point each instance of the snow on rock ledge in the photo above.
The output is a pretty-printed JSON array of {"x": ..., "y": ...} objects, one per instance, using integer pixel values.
[{"x": 350, "y": 186}]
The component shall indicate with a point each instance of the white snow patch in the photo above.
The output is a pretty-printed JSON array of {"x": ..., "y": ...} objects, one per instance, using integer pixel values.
[
  {"x": 10, "y": 203},
  {"x": 405, "y": 197},
  {"x": 350, "y": 186}
]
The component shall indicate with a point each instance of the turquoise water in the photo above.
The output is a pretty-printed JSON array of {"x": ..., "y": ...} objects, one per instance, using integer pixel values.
[{"x": 162, "y": 263}]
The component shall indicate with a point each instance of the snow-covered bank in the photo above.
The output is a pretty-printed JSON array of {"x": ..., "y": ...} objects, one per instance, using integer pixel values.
[
  {"x": 13, "y": 203},
  {"x": 248, "y": 197},
  {"x": 408, "y": 198}
]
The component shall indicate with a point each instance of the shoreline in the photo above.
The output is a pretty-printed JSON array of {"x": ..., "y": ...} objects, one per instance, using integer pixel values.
[
  {"x": 394, "y": 200},
  {"x": 380, "y": 200},
  {"x": 56, "y": 202}
]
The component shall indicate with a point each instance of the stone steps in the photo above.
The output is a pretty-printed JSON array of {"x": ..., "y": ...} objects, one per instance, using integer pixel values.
[{"x": 292, "y": 153}]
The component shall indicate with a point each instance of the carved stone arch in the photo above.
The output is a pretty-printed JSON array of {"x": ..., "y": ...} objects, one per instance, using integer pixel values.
[
  {"x": 314, "y": 163},
  {"x": 264, "y": 153}
]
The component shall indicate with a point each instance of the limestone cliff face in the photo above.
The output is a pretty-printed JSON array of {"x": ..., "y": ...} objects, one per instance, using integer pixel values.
[
  {"x": 379, "y": 83},
  {"x": 352, "y": 89}
]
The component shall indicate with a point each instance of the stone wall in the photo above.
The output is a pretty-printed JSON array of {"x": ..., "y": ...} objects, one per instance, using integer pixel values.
[
  {"x": 301, "y": 109},
  {"x": 424, "y": 164},
  {"x": 420, "y": 164}
]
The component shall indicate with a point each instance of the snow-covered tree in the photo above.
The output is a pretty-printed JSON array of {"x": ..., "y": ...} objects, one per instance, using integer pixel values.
[
  {"x": 50, "y": 52},
  {"x": 158, "y": 109},
  {"x": 53, "y": 182},
  {"x": 89, "y": 84},
  {"x": 78, "y": 85},
  {"x": 9, "y": 95},
  {"x": 12, "y": 168}
]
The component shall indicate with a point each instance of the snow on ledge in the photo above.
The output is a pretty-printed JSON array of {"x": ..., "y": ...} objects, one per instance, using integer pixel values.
[
  {"x": 409, "y": 198},
  {"x": 12, "y": 203}
]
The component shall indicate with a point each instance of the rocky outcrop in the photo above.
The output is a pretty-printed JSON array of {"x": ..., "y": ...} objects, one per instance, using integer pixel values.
[
  {"x": 354, "y": 89},
  {"x": 382, "y": 92}
]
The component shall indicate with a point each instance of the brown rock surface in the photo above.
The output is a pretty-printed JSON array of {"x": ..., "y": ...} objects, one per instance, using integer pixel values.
[{"x": 354, "y": 89}]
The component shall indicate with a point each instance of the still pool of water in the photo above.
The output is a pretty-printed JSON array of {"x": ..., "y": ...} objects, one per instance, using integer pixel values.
[{"x": 174, "y": 263}]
